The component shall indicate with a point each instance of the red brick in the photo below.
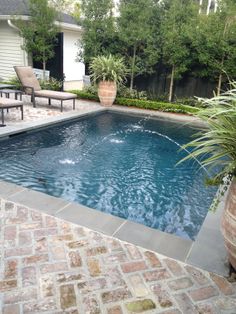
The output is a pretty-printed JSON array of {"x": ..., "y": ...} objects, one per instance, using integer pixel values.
[
  {"x": 185, "y": 304},
  {"x": 10, "y": 268},
  {"x": 91, "y": 305},
  {"x": 96, "y": 251},
  {"x": 133, "y": 266},
  {"x": 53, "y": 268},
  {"x": 115, "y": 310},
  {"x": 24, "y": 294},
  {"x": 47, "y": 286},
  {"x": 45, "y": 232},
  {"x": 119, "y": 257},
  {"x": 174, "y": 267},
  {"x": 30, "y": 225},
  {"x": 36, "y": 216},
  {"x": 11, "y": 309},
  {"x": 25, "y": 238},
  {"x": 133, "y": 251},
  {"x": 75, "y": 259},
  {"x": 156, "y": 275},
  {"x": 58, "y": 253},
  {"x": 92, "y": 285},
  {"x": 70, "y": 276},
  {"x": 94, "y": 267},
  {"x": 152, "y": 259},
  {"x": 42, "y": 258},
  {"x": 163, "y": 297},
  {"x": 29, "y": 276},
  {"x": 116, "y": 295},
  {"x": 51, "y": 222},
  {"x": 138, "y": 287},
  {"x": 67, "y": 296},
  {"x": 10, "y": 233},
  {"x": 41, "y": 245},
  {"x": 197, "y": 275},
  {"x": 18, "y": 251},
  {"x": 114, "y": 277},
  {"x": 180, "y": 283},
  {"x": 9, "y": 284},
  {"x": 77, "y": 244},
  {"x": 40, "y": 306},
  {"x": 224, "y": 286},
  {"x": 60, "y": 238},
  {"x": 206, "y": 309},
  {"x": 203, "y": 293}
]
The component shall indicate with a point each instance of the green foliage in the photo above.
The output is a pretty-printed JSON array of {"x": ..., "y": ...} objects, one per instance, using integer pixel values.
[
  {"x": 140, "y": 103},
  {"x": 215, "y": 43},
  {"x": 51, "y": 84},
  {"x": 110, "y": 68},
  {"x": 138, "y": 35},
  {"x": 216, "y": 147},
  {"x": 14, "y": 81},
  {"x": 125, "y": 92},
  {"x": 39, "y": 32},
  {"x": 99, "y": 29},
  {"x": 160, "y": 106}
]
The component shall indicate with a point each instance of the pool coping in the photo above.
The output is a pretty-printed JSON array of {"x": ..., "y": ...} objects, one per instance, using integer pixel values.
[{"x": 206, "y": 252}]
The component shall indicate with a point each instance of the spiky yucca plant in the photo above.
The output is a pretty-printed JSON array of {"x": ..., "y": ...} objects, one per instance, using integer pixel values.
[
  {"x": 108, "y": 68},
  {"x": 216, "y": 146}
]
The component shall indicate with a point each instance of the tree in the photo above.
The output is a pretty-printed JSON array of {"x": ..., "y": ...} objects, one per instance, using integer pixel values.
[
  {"x": 98, "y": 23},
  {"x": 215, "y": 43},
  {"x": 40, "y": 31},
  {"x": 177, "y": 29},
  {"x": 139, "y": 41}
]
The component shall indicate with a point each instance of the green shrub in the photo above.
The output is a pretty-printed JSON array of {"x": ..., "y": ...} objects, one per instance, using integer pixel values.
[
  {"x": 51, "y": 84},
  {"x": 125, "y": 92},
  {"x": 14, "y": 81},
  {"x": 190, "y": 101},
  {"x": 140, "y": 103},
  {"x": 155, "y": 105}
]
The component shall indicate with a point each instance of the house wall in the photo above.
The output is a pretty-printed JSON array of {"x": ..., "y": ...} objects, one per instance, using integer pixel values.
[
  {"x": 73, "y": 70},
  {"x": 11, "y": 53}
]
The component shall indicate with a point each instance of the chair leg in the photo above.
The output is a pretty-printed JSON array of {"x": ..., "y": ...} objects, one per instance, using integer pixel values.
[
  {"x": 2, "y": 117},
  {"x": 34, "y": 104},
  {"x": 22, "y": 113},
  {"x": 61, "y": 105},
  {"x": 49, "y": 101},
  {"x": 74, "y": 104}
]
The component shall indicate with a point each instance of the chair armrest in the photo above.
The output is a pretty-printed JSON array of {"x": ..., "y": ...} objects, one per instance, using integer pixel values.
[{"x": 28, "y": 87}]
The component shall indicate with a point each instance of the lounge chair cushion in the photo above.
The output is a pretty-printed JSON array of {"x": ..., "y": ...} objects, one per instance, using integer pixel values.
[
  {"x": 54, "y": 94},
  {"x": 27, "y": 77},
  {"x": 6, "y": 102}
]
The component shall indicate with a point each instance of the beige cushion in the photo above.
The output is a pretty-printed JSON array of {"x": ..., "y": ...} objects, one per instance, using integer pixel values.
[
  {"x": 27, "y": 77},
  {"x": 9, "y": 102},
  {"x": 55, "y": 95}
]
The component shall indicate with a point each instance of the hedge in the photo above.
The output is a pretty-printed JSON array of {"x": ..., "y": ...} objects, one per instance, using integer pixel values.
[{"x": 144, "y": 104}]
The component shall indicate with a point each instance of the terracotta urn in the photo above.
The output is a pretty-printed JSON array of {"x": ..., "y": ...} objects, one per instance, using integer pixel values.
[
  {"x": 228, "y": 224},
  {"x": 107, "y": 92}
]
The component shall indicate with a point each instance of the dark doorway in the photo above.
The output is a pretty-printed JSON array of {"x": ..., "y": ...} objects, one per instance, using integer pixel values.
[{"x": 54, "y": 65}]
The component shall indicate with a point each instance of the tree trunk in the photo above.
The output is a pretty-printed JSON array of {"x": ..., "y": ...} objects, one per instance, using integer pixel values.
[
  {"x": 44, "y": 70},
  {"x": 132, "y": 69},
  {"x": 219, "y": 84},
  {"x": 171, "y": 83}
]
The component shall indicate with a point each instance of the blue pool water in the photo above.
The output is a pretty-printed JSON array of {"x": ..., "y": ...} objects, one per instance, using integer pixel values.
[{"x": 117, "y": 164}]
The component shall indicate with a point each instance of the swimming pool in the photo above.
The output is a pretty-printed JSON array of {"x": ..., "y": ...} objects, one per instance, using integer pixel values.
[{"x": 115, "y": 163}]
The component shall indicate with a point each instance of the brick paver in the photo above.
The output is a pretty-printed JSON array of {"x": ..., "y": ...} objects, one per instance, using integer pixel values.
[{"x": 52, "y": 266}]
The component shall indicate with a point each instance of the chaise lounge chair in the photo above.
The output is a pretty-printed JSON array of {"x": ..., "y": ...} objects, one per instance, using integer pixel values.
[
  {"x": 32, "y": 87},
  {"x": 6, "y": 103}
]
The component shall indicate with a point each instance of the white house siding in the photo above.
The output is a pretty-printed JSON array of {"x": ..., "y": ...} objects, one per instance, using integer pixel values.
[
  {"x": 73, "y": 70},
  {"x": 11, "y": 53}
]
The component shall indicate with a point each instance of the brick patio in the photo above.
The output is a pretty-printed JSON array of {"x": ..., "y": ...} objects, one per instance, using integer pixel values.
[{"x": 51, "y": 266}]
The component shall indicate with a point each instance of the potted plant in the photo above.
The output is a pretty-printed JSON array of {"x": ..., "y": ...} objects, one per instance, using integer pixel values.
[
  {"x": 216, "y": 147},
  {"x": 108, "y": 72}
]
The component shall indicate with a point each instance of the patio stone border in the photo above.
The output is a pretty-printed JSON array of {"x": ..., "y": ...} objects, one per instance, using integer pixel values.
[{"x": 206, "y": 252}]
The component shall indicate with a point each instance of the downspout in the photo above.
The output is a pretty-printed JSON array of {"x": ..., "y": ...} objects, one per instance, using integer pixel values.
[{"x": 25, "y": 57}]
